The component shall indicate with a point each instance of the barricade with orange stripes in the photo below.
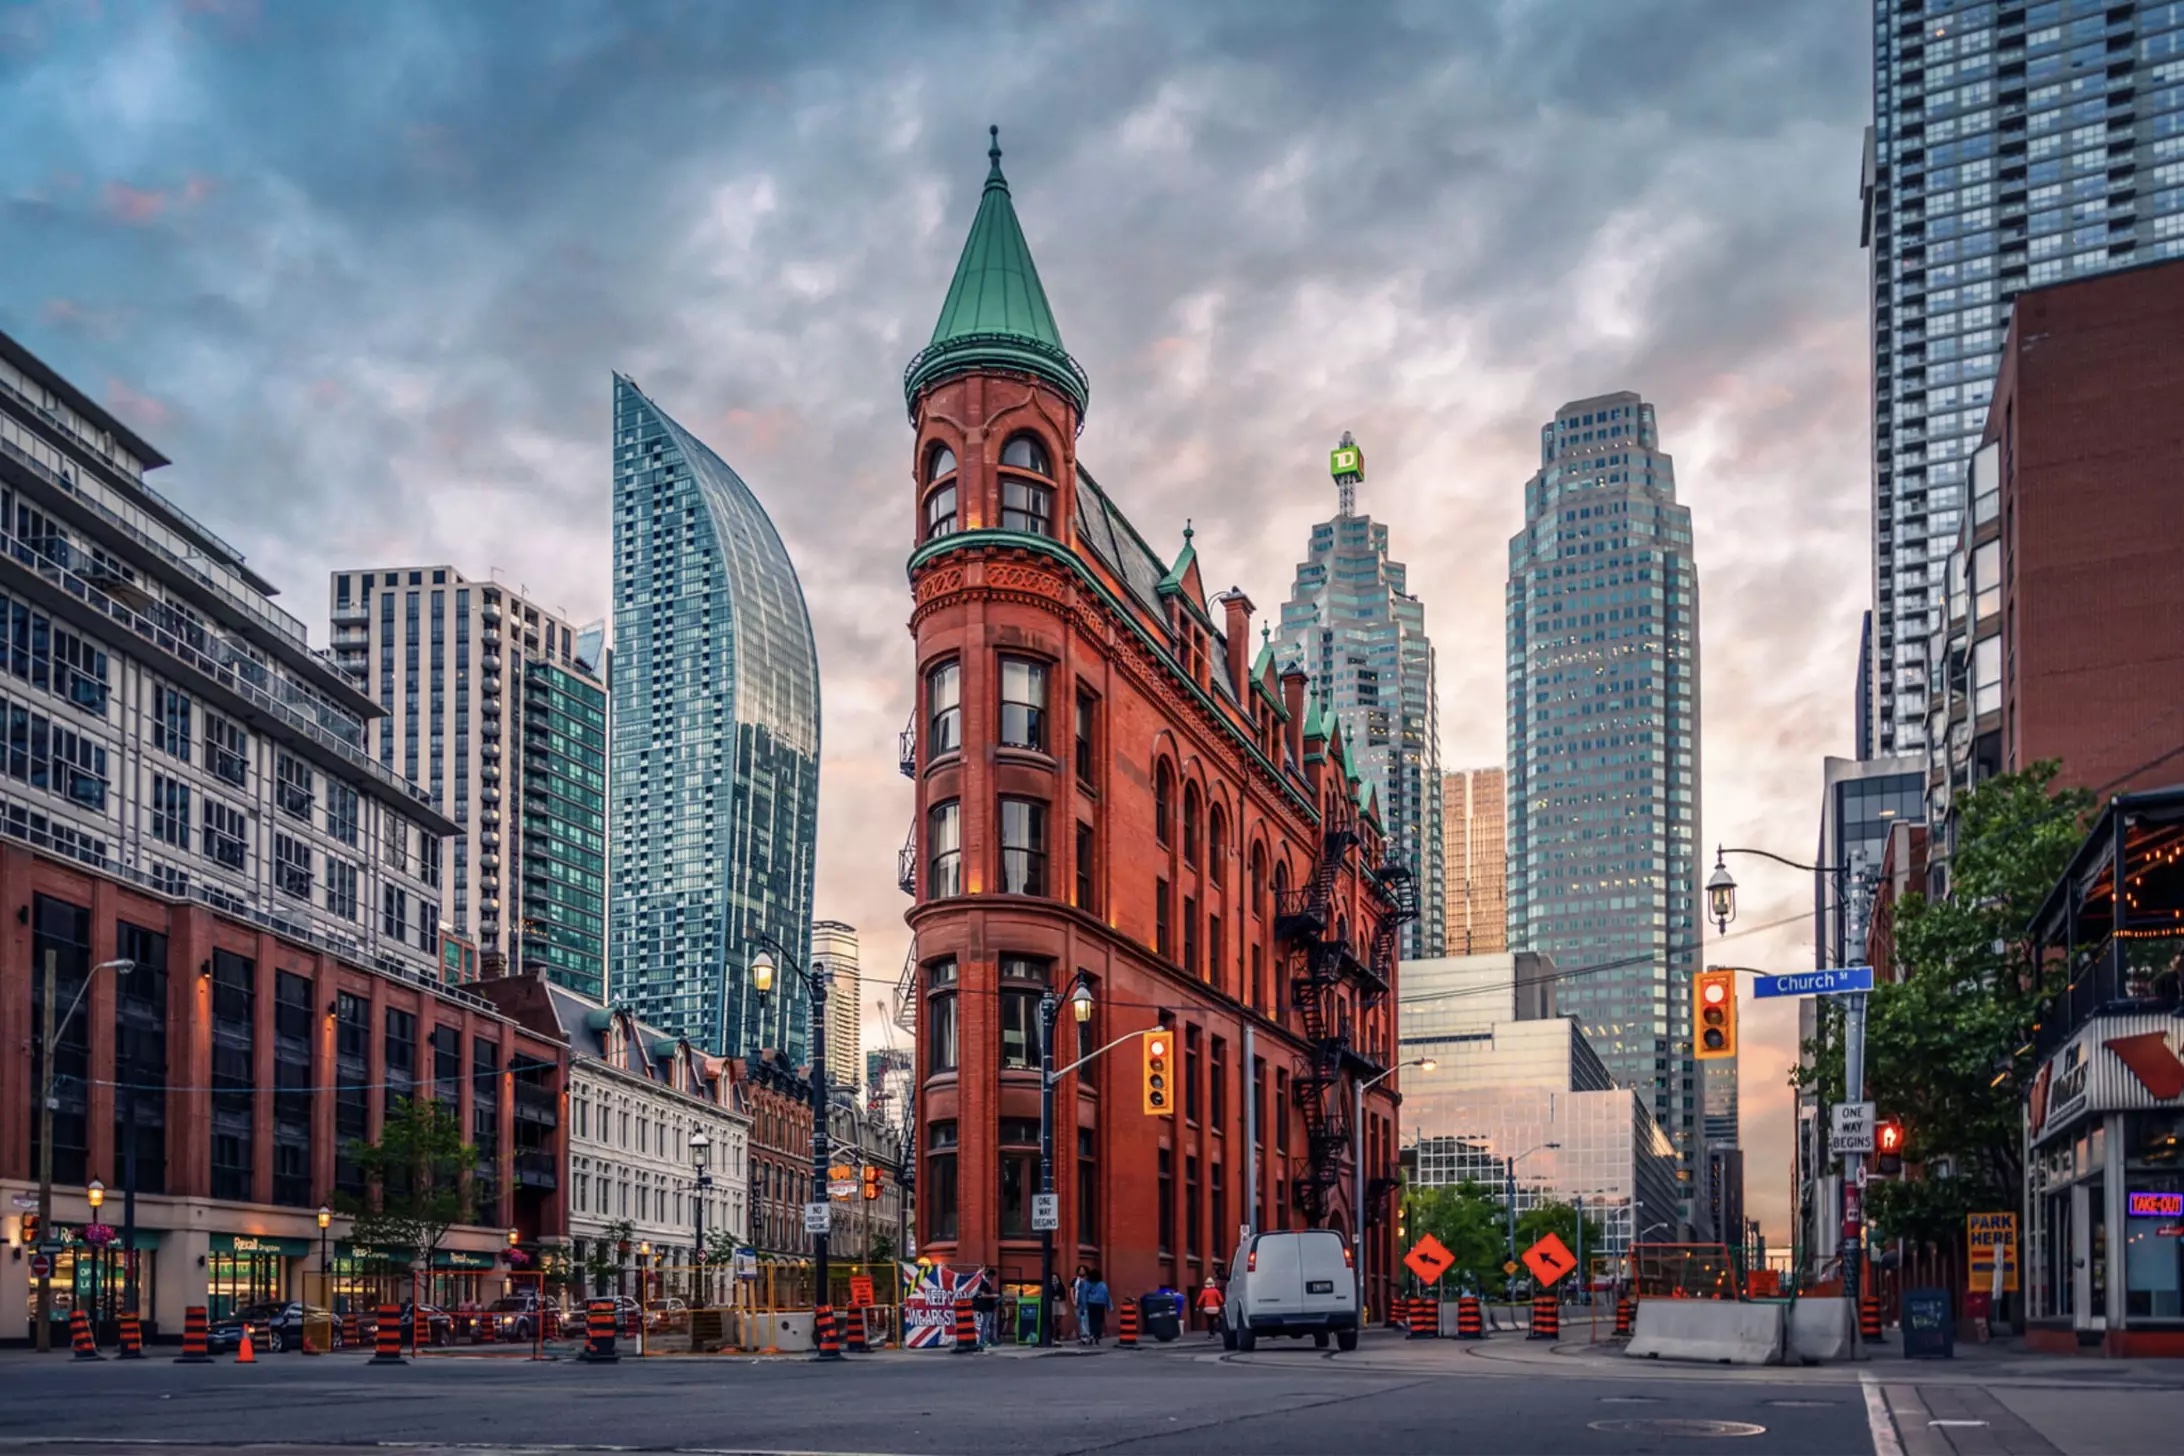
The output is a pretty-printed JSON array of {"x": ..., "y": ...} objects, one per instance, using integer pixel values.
[
  {"x": 1470, "y": 1323},
  {"x": 387, "y": 1336},
  {"x": 860, "y": 1331},
  {"x": 1127, "y": 1328},
  {"x": 1399, "y": 1311},
  {"x": 79, "y": 1336},
  {"x": 966, "y": 1328},
  {"x": 1424, "y": 1316},
  {"x": 599, "y": 1333},
  {"x": 196, "y": 1341},
  {"x": 132, "y": 1338},
  {"x": 827, "y": 1333},
  {"x": 1626, "y": 1316},
  {"x": 1546, "y": 1318},
  {"x": 350, "y": 1334},
  {"x": 1869, "y": 1319}
]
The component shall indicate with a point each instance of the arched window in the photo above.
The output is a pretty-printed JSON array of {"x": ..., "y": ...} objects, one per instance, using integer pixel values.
[
  {"x": 1026, "y": 505},
  {"x": 1163, "y": 799},
  {"x": 1281, "y": 885},
  {"x": 1216, "y": 843},
  {"x": 1190, "y": 824},
  {"x": 1258, "y": 879},
  {"x": 940, "y": 511},
  {"x": 940, "y": 463},
  {"x": 1025, "y": 452}
]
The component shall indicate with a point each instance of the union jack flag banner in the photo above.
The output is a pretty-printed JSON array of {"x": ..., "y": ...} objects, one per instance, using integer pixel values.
[{"x": 929, "y": 1296}]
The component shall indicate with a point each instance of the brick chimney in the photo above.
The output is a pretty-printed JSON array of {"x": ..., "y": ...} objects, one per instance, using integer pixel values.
[
  {"x": 1293, "y": 682},
  {"x": 1236, "y": 608}
]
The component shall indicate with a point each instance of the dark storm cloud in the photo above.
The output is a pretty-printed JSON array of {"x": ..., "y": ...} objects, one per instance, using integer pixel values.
[{"x": 373, "y": 263}]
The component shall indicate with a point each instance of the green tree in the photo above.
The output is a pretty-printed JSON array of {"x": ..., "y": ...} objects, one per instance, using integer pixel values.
[
  {"x": 1468, "y": 1220},
  {"x": 413, "y": 1179},
  {"x": 1948, "y": 1045},
  {"x": 1560, "y": 1219}
]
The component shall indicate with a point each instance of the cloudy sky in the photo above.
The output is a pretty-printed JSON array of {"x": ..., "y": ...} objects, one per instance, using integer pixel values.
[{"x": 362, "y": 270}]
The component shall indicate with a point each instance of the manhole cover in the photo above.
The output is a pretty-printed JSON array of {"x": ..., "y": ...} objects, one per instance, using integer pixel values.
[{"x": 1673, "y": 1426}]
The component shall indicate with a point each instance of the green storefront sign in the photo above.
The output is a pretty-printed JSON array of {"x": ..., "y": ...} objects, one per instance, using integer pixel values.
[
  {"x": 244, "y": 1245},
  {"x": 465, "y": 1260}
]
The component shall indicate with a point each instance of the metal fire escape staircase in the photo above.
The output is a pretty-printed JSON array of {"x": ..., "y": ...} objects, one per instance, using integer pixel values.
[{"x": 1317, "y": 941}]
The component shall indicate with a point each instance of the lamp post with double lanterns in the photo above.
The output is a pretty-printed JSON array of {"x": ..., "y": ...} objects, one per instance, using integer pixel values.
[
  {"x": 48, "y": 1104},
  {"x": 820, "y": 1223},
  {"x": 701, "y": 1155}
]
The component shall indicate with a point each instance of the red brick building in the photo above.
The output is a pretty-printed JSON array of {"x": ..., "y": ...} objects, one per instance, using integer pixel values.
[
  {"x": 242, "y": 1061},
  {"x": 1110, "y": 784},
  {"x": 2066, "y": 609}
]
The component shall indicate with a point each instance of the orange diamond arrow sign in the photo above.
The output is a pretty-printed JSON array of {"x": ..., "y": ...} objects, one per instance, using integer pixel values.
[
  {"x": 1549, "y": 1259},
  {"x": 1428, "y": 1259}
]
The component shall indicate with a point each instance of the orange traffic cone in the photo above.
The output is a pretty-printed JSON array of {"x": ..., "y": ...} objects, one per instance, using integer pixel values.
[{"x": 244, "y": 1354}]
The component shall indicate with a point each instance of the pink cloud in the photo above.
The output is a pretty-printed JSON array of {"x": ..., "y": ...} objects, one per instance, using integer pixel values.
[
  {"x": 139, "y": 409},
  {"x": 762, "y": 431},
  {"x": 66, "y": 313},
  {"x": 135, "y": 206}
]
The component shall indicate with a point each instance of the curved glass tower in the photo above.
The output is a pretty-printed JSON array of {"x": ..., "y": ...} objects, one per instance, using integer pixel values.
[{"x": 715, "y": 737}]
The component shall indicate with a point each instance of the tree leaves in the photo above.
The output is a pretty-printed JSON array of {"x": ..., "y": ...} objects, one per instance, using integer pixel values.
[{"x": 413, "y": 1178}]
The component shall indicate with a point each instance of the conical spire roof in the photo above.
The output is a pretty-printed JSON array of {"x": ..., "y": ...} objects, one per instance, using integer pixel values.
[{"x": 996, "y": 313}]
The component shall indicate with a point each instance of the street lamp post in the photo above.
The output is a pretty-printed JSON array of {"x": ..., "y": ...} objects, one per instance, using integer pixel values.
[
  {"x": 815, "y": 984},
  {"x": 1721, "y": 903},
  {"x": 701, "y": 1151},
  {"x": 1050, "y": 1007},
  {"x": 1509, "y": 1176},
  {"x": 1357, "y": 1160},
  {"x": 50, "y": 1034},
  {"x": 325, "y": 1270},
  {"x": 95, "y": 1195}
]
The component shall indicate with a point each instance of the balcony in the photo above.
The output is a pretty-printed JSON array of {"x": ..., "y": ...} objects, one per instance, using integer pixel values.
[
  {"x": 906, "y": 865},
  {"x": 906, "y": 747}
]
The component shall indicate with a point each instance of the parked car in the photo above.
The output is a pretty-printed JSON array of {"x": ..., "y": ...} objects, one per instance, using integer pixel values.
[
  {"x": 670, "y": 1312},
  {"x": 439, "y": 1325},
  {"x": 577, "y": 1321},
  {"x": 1296, "y": 1282},
  {"x": 282, "y": 1324},
  {"x": 516, "y": 1317}
]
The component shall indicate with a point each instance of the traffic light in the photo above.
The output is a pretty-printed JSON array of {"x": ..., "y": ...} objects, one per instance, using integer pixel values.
[
  {"x": 1159, "y": 1049},
  {"x": 871, "y": 1182},
  {"x": 1888, "y": 1148},
  {"x": 31, "y": 1229},
  {"x": 1714, "y": 998}
]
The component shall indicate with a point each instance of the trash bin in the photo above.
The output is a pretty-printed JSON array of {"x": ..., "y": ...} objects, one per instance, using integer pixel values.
[
  {"x": 318, "y": 1332},
  {"x": 1161, "y": 1312}
]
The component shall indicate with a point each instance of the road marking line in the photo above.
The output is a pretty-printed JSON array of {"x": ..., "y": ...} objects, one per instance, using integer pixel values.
[
  {"x": 1956, "y": 1423},
  {"x": 1878, "y": 1420}
]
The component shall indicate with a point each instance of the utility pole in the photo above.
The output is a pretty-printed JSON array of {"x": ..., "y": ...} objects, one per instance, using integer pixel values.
[
  {"x": 1853, "y": 1163},
  {"x": 45, "y": 1149}
]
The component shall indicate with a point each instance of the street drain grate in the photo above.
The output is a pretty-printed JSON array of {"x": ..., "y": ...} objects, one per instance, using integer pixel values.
[{"x": 1673, "y": 1426}]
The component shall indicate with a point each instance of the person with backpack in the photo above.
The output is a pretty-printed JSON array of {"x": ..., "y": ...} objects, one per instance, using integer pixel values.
[
  {"x": 1096, "y": 1302},
  {"x": 1209, "y": 1306}
]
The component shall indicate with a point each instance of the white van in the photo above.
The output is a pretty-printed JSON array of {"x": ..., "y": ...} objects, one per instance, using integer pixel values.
[{"x": 1297, "y": 1282}]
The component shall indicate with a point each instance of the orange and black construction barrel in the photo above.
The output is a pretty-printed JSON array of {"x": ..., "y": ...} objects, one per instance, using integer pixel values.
[
  {"x": 132, "y": 1338},
  {"x": 860, "y": 1337},
  {"x": 387, "y": 1336},
  {"x": 79, "y": 1336},
  {"x": 350, "y": 1334},
  {"x": 599, "y": 1333},
  {"x": 1546, "y": 1318},
  {"x": 826, "y": 1334},
  {"x": 420, "y": 1328},
  {"x": 1626, "y": 1316},
  {"x": 1399, "y": 1312},
  {"x": 966, "y": 1328},
  {"x": 1469, "y": 1324},
  {"x": 1126, "y": 1329},
  {"x": 196, "y": 1346},
  {"x": 1869, "y": 1319},
  {"x": 1424, "y": 1314}
]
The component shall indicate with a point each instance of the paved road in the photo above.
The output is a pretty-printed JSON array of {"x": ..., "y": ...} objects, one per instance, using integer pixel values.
[{"x": 1388, "y": 1401}]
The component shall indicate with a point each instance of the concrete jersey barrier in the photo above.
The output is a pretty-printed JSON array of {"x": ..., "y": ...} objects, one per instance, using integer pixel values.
[
  {"x": 1708, "y": 1329},
  {"x": 1820, "y": 1329}
]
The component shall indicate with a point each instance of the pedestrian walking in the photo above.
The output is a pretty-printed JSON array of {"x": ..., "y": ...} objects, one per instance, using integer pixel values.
[
  {"x": 1080, "y": 1299},
  {"x": 1096, "y": 1303},
  {"x": 1209, "y": 1306}
]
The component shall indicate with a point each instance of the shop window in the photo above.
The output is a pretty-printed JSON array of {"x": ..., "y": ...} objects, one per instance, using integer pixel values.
[{"x": 940, "y": 1181}]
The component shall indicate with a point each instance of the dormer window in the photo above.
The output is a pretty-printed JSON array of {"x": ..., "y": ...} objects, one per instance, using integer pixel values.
[
  {"x": 940, "y": 496},
  {"x": 1027, "y": 506}
]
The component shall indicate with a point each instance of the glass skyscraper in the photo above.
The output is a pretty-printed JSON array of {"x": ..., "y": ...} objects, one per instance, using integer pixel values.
[
  {"x": 1352, "y": 621},
  {"x": 2012, "y": 145},
  {"x": 715, "y": 744},
  {"x": 1604, "y": 751}
]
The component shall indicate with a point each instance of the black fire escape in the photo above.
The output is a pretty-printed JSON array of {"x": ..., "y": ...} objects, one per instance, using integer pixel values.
[{"x": 1322, "y": 952}]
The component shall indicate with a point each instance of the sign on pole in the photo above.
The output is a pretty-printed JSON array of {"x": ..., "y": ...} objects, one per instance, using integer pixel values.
[
  {"x": 25, "y": 1200},
  {"x": 1429, "y": 1259},
  {"x": 1837, "y": 982},
  {"x": 1046, "y": 1212},
  {"x": 842, "y": 1188},
  {"x": 1851, "y": 1130},
  {"x": 818, "y": 1218},
  {"x": 1549, "y": 1259},
  {"x": 1991, "y": 1240},
  {"x": 41, "y": 1265}
]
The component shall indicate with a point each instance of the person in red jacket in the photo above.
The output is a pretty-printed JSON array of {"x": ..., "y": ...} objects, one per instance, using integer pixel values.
[{"x": 1209, "y": 1305}]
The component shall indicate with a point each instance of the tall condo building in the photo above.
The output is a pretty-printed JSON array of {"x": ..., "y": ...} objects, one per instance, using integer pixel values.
[
  {"x": 499, "y": 708},
  {"x": 1475, "y": 855},
  {"x": 1352, "y": 621},
  {"x": 714, "y": 745},
  {"x": 1604, "y": 751},
  {"x": 835, "y": 943},
  {"x": 2013, "y": 145}
]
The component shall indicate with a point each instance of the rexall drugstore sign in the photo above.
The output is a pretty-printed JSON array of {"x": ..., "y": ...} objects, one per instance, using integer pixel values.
[{"x": 2115, "y": 1064}]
